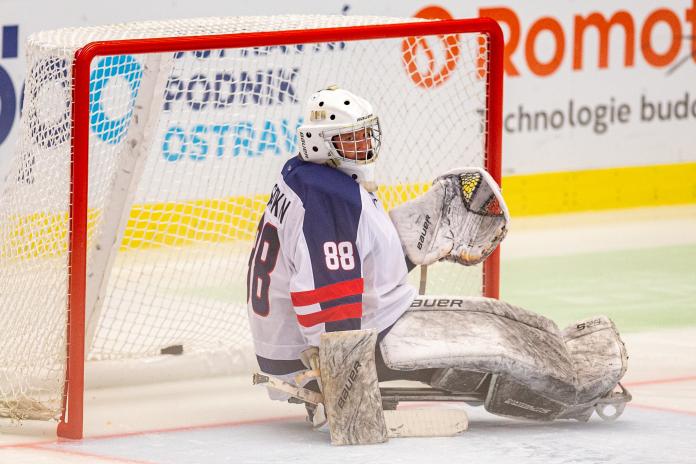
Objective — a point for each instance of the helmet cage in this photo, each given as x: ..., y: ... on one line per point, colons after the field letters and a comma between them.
x: 362, y: 140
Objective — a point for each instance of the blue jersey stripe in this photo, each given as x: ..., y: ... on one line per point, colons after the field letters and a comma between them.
x: 346, y: 324
x: 332, y: 206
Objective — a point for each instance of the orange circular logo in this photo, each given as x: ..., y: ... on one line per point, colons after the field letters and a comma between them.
x: 419, y: 56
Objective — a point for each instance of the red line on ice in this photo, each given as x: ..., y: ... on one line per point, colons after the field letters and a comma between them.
x: 640, y: 383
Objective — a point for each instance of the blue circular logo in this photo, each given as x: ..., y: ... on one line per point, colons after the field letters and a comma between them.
x: 109, y: 130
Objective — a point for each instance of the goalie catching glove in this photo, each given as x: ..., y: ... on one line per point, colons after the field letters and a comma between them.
x: 461, y: 218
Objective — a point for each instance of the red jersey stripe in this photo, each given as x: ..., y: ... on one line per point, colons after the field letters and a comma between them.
x: 337, y: 313
x: 328, y: 292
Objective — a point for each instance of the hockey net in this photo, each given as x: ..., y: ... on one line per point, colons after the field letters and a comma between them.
x: 160, y: 155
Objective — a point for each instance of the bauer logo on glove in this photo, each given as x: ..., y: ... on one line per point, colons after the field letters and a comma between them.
x: 462, y: 218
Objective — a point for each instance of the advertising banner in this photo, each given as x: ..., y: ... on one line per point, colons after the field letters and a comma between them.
x: 591, y: 85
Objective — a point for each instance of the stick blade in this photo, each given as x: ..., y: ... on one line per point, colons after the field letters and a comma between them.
x: 425, y: 422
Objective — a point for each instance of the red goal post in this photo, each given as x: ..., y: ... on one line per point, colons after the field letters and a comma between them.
x: 82, y: 123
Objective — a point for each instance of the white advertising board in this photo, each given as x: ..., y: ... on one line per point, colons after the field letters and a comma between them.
x: 588, y: 85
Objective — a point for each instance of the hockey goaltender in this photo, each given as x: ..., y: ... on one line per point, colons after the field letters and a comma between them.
x: 332, y: 314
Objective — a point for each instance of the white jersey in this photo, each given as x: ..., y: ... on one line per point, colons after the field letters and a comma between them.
x: 326, y: 258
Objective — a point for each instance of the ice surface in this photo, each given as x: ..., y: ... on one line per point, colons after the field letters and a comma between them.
x: 639, y: 436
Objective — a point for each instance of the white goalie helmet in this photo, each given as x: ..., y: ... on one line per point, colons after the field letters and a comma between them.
x: 342, y: 131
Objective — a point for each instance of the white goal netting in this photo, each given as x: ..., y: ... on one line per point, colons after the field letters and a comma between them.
x: 183, y: 150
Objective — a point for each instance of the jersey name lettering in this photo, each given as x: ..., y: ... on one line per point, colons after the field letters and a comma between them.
x: 278, y: 205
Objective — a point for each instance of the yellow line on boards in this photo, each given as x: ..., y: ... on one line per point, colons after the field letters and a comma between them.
x: 600, y: 189
x: 183, y: 223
